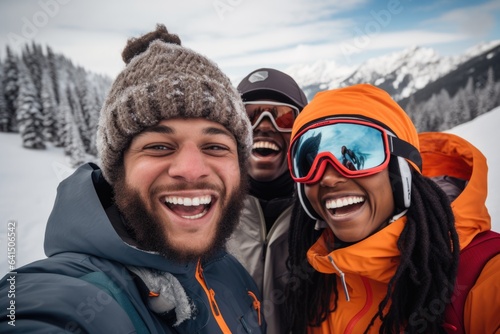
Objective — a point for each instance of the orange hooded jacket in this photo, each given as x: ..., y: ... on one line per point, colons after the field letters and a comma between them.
x: 448, y: 154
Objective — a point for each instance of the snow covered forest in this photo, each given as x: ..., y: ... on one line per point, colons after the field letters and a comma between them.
x: 46, y: 98
x: 442, y: 111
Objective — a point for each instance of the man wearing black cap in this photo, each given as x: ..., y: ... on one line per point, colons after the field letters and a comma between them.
x: 272, y: 100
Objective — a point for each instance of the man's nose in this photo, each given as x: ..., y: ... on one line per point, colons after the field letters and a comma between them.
x: 189, y: 163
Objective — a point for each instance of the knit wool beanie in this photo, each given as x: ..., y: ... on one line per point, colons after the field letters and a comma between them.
x: 364, y: 101
x: 163, y: 80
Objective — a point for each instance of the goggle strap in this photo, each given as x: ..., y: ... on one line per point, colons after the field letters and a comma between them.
x: 305, y: 202
x: 405, y: 150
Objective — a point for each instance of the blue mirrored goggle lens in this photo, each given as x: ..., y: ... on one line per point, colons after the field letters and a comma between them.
x: 357, y: 147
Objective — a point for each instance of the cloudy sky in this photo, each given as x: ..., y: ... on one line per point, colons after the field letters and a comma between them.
x: 242, y: 35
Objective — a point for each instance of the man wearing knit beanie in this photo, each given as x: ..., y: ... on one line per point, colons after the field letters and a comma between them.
x: 272, y: 101
x: 138, y: 244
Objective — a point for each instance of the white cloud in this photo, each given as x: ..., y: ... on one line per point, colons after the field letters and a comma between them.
x: 476, y: 20
x: 239, y: 35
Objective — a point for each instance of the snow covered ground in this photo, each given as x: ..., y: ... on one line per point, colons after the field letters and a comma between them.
x: 29, y: 179
x: 28, y: 184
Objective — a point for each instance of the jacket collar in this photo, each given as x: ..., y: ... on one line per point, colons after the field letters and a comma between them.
x: 375, y: 257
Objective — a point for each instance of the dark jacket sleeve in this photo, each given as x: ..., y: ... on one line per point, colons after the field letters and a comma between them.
x: 52, y: 303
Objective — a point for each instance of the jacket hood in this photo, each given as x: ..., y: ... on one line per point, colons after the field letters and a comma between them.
x: 448, y: 154
x: 79, y: 223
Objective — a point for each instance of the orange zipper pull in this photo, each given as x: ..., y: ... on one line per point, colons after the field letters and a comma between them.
x: 256, y: 305
x: 214, y: 304
x: 153, y: 294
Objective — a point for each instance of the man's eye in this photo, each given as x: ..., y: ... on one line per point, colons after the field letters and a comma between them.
x: 158, y: 148
x: 217, y: 148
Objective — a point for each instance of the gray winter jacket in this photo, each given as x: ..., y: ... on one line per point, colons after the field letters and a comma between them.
x: 94, y: 282
x: 264, y: 256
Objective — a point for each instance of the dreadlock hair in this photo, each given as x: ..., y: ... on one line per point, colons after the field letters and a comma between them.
x: 427, y: 271
x: 308, y: 292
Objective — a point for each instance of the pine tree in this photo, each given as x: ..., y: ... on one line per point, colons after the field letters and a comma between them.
x: 443, y: 109
x: 461, y: 107
x: 450, y: 107
x: 411, y: 109
x: 100, y: 87
x: 73, y: 146
x: 91, y: 105
x: 428, y: 114
x: 49, y: 107
x: 469, y: 95
x: 61, y: 67
x: 85, y: 110
x: 78, y: 115
x: 52, y: 61
x: 34, y: 59
x: 497, y: 94
x: 62, y: 110
x: 29, y: 113
x: 94, y: 111
x: 4, y: 116
x: 11, y: 88
x: 487, y: 96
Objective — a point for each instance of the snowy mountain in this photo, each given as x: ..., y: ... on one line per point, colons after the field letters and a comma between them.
x: 29, y: 181
x: 400, y: 73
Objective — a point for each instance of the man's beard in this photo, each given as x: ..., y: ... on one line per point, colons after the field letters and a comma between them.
x: 147, y: 229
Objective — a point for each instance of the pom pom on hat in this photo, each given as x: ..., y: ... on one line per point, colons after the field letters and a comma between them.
x: 163, y: 80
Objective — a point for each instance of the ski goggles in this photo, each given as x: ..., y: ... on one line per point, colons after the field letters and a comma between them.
x: 282, y: 115
x: 355, y: 148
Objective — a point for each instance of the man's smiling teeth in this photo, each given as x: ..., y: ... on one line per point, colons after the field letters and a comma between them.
x: 265, y: 144
x: 201, y: 214
x: 341, y: 202
x: 188, y: 201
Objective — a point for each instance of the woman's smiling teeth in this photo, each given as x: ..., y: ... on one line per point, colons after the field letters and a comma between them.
x: 189, y: 207
x: 341, y: 202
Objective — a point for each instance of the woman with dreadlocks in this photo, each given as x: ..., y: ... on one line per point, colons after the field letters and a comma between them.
x: 375, y: 249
